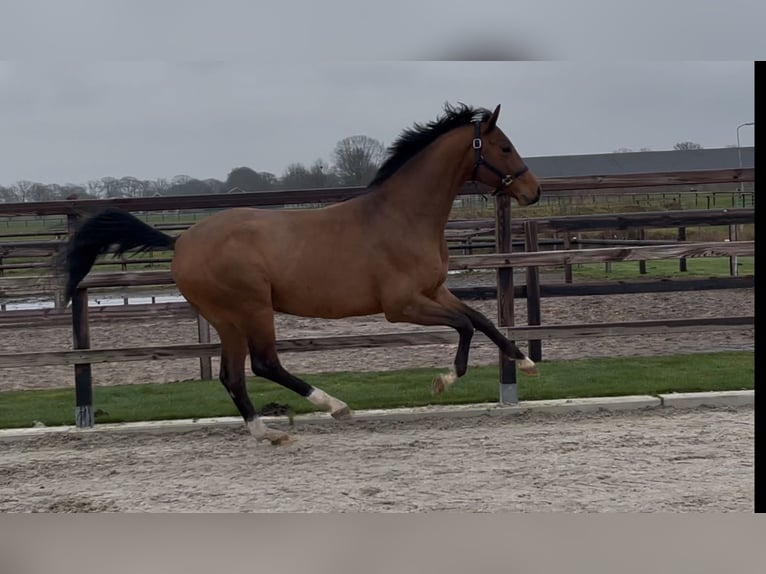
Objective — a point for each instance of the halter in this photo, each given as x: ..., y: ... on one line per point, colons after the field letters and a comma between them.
x: 505, y: 178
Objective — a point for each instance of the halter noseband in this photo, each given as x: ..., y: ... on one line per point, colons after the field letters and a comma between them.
x: 505, y: 178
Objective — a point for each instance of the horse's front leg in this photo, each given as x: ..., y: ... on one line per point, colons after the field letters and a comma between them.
x: 420, y: 310
x: 446, y: 298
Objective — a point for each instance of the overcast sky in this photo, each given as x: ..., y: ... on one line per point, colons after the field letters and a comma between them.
x: 80, y: 121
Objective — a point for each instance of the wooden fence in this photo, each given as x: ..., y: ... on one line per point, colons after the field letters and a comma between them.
x: 503, y: 261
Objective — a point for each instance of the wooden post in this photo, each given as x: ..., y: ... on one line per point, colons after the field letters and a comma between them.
x: 503, y: 244
x: 533, y: 289
x: 682, y: 237
x: 567, y: 266
x: 642, y: 263
x: 83, y: 379
x: 733, y: 271
x: 205, y: 363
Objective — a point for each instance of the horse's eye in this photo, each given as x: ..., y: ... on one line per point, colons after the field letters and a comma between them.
x: 506, y: 149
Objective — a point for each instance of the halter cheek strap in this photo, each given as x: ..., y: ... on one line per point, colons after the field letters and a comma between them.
x: 506, y: 179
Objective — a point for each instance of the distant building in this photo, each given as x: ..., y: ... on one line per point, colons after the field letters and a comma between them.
x: 640, y: 162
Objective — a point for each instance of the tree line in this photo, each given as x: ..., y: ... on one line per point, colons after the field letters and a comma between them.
x: 355, y: 160
x: 680, y: 146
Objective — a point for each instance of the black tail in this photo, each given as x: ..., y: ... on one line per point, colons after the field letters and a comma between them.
x: 95, y: 237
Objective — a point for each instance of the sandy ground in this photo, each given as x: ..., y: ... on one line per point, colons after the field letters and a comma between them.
x: 554, y: 311
x: 661, y: 460
x: 658, y: 460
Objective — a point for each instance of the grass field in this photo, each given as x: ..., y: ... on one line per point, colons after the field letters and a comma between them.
x: 558, y: 379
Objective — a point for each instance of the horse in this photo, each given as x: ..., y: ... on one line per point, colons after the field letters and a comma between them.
x: 383, y: 251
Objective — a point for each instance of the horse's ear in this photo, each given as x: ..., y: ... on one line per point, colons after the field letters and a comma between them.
x: 493, y: 119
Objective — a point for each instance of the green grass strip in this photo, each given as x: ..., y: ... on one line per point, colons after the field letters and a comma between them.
x: 406, y: 388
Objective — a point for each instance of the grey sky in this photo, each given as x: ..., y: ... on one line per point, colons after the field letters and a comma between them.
x: 72, y: 122
x: 303, y: 30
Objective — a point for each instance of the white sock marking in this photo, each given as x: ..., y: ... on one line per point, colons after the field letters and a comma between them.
x: 325, y: 401
x: 257, y: 428
x: 449, y: 378
x: 527, y: 364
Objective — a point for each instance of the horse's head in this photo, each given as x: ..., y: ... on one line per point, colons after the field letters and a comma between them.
x: 496, y: 162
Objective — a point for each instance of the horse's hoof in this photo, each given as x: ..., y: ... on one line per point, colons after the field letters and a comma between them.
x: 442, y: 382
x: 438, y: 385
x: 341, y: 414
x: 528, y: 367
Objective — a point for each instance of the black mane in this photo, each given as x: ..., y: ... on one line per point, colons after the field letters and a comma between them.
x: 415, y: 139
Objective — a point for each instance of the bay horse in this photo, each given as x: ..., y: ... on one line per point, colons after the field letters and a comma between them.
x: 381, y: 252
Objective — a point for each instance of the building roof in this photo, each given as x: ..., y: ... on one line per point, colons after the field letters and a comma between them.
x: 641, y: 162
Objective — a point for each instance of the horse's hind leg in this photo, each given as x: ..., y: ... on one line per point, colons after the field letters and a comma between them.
x: 265, y: 363
x: 233, y: 353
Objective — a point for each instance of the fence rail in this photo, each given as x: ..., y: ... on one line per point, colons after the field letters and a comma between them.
x: 461, y: 231
x: 551, y: 185
x: 332, y: 343
x: 10, y: 286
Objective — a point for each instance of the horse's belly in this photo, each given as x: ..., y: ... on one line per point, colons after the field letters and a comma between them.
x: 312, y: 300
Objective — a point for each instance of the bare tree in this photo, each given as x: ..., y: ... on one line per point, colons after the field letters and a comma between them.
x: 295, y: 176
x: 357, y: 159
x: 686, y: 146
x: 8, y: 195
x: 298, y: 176
x: 157, y: 187
x: 96, y: 188
x: 41, y: 192
x: 247, y: 179
x: 215, y: 185
x: 185, y: 185
x: 324, y: 175
x: 70, y: 189
x: 111, y: 187
x: 132, y: 187
x: 22, y: 189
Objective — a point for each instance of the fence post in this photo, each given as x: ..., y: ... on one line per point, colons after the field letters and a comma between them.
x: 2, y: 305
x: 567, y: 266
x: 503, y: 244
x: 533, y: 289
x: 83, y: 379
x: 682, y: 237
x: 642, y: 263
x: 733, y: 271
x: 205, y: 363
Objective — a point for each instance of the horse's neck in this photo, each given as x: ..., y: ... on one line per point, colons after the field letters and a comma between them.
x: 424, y: 189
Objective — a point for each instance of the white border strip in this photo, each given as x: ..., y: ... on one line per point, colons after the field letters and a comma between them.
x: 635, y: 402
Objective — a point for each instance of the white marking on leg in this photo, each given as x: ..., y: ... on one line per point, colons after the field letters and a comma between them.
x: 326, y: 402
x: 260, y: 431
x: 257, y: 428
x: 442, y: 382
x: 527, y: 364
x: 449, y: 378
